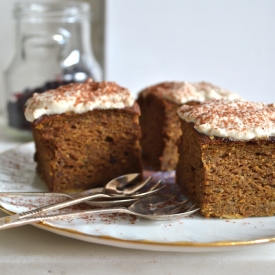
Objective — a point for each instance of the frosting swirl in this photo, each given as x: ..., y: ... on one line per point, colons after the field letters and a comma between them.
x: 78, y: 98
x: 182, y: 92
x: 237, y: 119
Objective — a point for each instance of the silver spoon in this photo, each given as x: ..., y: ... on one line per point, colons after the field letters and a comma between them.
x: 114, y: 199
x: 77, y: 199
x: 148, y: 208
x: 106, y: 202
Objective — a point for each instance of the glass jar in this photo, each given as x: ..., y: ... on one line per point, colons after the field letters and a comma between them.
x: 53, y: 48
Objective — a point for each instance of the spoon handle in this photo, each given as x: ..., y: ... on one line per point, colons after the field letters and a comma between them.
x: 6, y: 222
x: 51, y: 207
x: 9, y: 222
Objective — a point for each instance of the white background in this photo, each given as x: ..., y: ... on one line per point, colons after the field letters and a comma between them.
x: 229, y: 43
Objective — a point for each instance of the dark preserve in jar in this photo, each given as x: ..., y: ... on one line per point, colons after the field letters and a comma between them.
x: 16, y: 117
x: 53, y: 48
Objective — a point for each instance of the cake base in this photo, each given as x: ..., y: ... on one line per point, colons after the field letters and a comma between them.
x: 76, y: 152
x: 226, y: 178
x: 160, y: 127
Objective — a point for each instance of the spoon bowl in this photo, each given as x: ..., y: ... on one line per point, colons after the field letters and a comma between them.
x: 164, y: 207
x: 118, y: 185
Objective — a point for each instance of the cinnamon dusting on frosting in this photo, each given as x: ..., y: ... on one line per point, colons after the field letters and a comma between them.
x: 237, y: 119
x: 182, y: 92
x: 78, y: 98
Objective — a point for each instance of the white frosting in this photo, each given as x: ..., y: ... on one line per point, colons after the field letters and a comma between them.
x: 237, y: 119
x: 182, y: 92
x: 78, y: 98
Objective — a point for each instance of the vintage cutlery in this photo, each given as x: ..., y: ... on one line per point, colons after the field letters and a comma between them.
x: 123, y: 180
x: 152, y: 207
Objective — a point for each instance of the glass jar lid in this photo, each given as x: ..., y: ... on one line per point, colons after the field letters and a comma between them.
x: 66, y: 11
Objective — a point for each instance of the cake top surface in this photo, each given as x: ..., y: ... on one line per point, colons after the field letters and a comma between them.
x: 237, y: 119
x: 182, y: 92
x: 78, y: 98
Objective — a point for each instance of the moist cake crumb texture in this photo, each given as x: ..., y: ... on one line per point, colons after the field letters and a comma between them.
x: 85, y: 135
x: 230, y: 175
x: 159, y: 122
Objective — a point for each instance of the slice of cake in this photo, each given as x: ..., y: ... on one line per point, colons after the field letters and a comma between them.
x: 159, y: 122
x: 227, y: 158
x: 85, y: 135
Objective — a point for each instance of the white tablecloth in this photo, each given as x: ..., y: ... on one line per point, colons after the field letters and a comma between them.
x: 32, y: 251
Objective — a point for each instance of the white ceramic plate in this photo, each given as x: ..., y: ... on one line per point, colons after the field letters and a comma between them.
x: 191, y: 234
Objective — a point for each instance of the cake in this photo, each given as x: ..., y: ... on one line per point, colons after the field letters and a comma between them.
x: 159, y: 122
x: 85, y: 135
x: 227, y: 158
